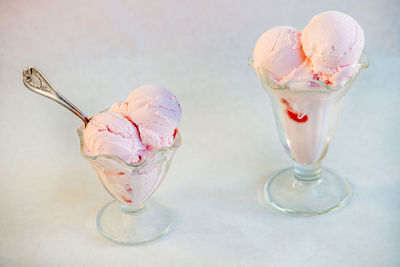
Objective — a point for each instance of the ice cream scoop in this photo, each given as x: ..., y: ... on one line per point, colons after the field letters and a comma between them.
x: 332, y: 39
x: 155, y: 111
x: 333, y: 42
x: 328, y: 50
x: 279, y: 51
x: 111, y: 133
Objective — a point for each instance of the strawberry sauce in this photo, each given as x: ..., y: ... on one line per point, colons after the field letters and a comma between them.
x: 299, y: 118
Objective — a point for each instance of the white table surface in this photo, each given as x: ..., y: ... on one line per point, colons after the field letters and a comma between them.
x: 96, y: 52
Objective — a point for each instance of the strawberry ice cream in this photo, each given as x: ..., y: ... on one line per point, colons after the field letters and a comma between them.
x: 132, y: 184
x: 311, y: 68
x: 111, y: 133
x: 308, y: 120
x: 306, y: 75
x: 333, y: 42
x: 140, y: 132
x: 327, y: 50
x: 155, y: 111
x: 278, y: 51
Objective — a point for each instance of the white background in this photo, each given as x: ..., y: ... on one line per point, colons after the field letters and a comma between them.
x: 96, y: 52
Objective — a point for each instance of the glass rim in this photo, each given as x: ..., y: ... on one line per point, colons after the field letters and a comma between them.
x: 176, y: 144
x: 363, y: 62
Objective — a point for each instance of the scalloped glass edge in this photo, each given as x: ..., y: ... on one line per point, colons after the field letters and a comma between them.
x: 175, y: 145
x: 363, y: 62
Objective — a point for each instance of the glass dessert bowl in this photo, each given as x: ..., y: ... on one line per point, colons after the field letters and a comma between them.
x: 306, y: 114
x: 132, y: 218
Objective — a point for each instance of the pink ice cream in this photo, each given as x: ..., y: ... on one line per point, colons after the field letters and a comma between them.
x: 111, y: 133
x: 131, y: 130
x: 155, y: 111
x: 279, y: 51
x: 328, y: 50
x: 333, y: 41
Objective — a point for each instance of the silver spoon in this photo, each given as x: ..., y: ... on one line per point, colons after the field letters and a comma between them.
x: 35, y: 81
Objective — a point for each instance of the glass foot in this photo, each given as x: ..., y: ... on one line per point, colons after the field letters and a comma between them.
x: 296, y: 197
x: 134, y: 227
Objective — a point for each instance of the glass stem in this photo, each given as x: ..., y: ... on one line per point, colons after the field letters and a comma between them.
x: 132, y: 209
x: 307, y: 173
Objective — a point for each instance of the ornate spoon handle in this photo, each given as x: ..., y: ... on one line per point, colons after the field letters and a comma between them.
x: 35, y: 81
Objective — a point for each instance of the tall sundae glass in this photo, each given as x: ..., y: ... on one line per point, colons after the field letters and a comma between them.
x: 306, y: 113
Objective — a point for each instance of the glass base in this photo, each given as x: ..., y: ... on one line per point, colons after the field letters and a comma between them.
x: 140, y: 226
x: 307, y: 198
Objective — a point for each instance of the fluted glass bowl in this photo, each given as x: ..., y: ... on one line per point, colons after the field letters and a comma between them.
x: 131, y: 218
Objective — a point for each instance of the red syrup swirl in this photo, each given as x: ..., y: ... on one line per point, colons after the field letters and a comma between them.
x: 128, y: 188
x: 113, y: 173
x: 126, y: 199
x: 299, y: 118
